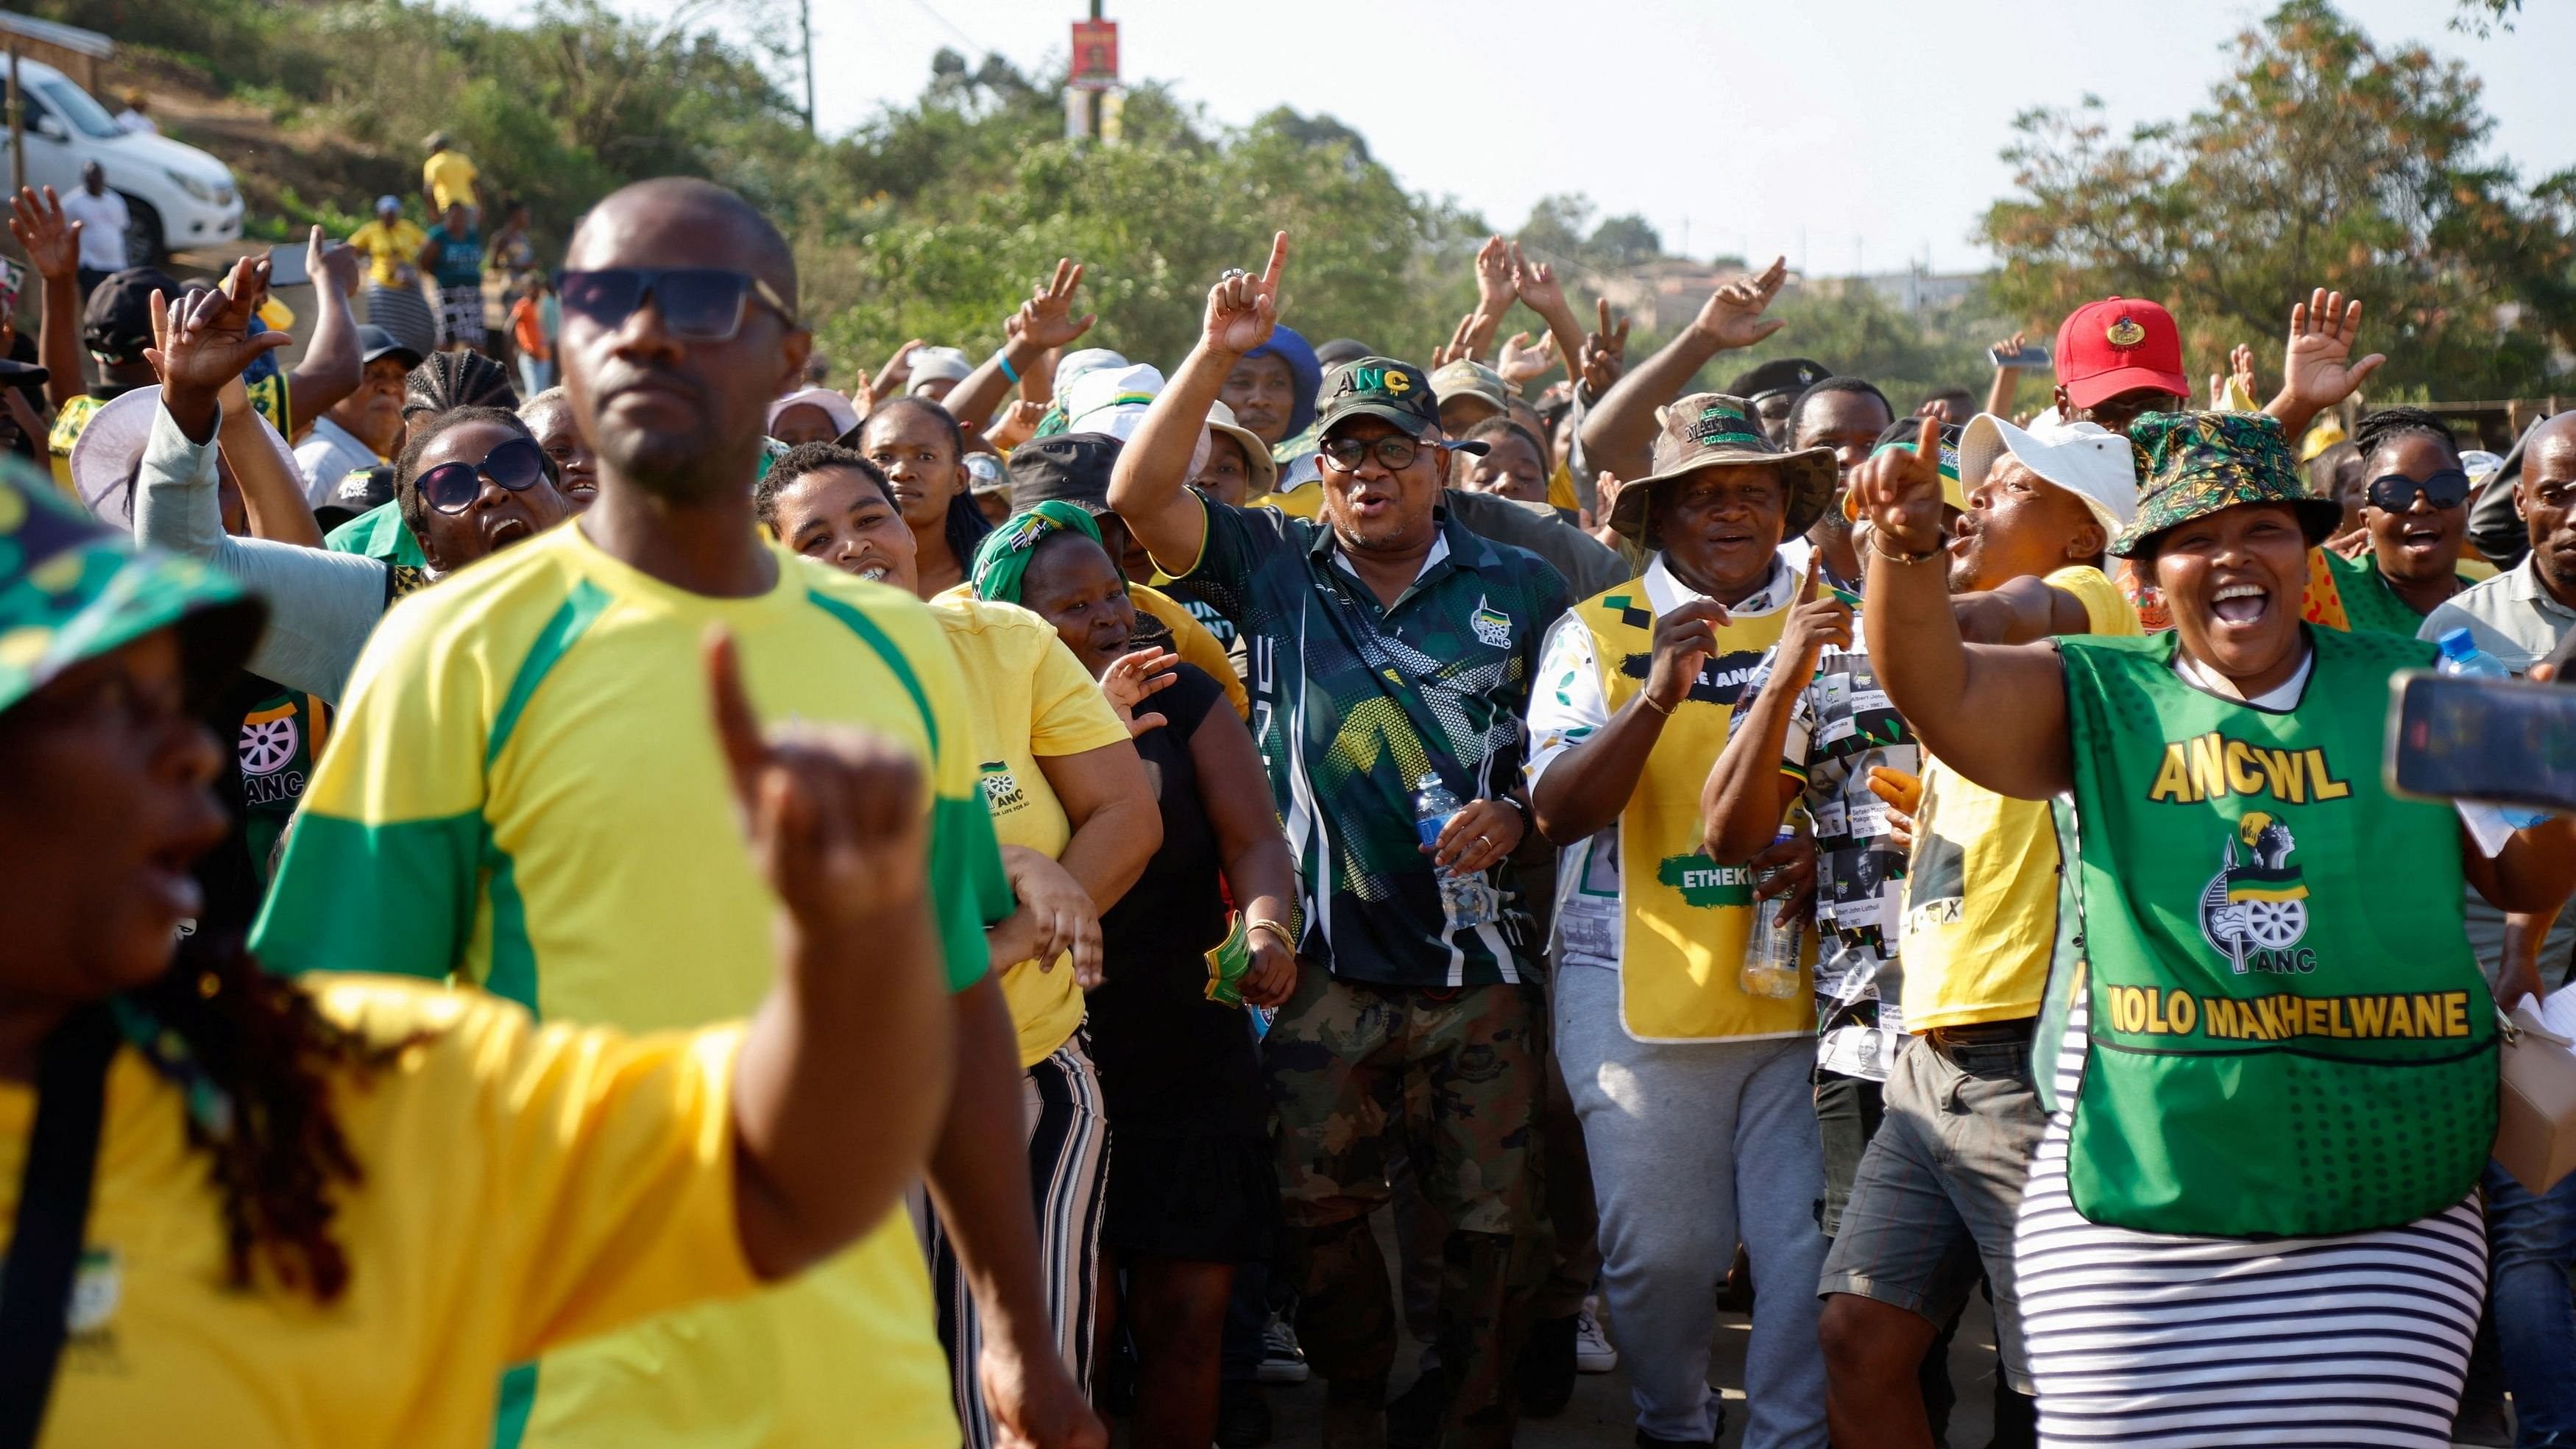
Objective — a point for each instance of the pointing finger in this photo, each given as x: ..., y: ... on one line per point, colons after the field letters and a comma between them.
x: 737, y: 728
x: 1278, y: 263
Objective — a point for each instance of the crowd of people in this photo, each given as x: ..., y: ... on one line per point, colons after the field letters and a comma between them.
x: 669, y: 902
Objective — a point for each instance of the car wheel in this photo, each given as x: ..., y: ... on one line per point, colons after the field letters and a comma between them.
x: 145, y: 244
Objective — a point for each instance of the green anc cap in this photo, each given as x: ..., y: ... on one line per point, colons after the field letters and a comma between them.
x: 2191, y: 465
x: 1381, y: 387
x: 72, y: 589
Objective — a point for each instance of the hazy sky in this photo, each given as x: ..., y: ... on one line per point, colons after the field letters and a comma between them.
x: 1834, y: 131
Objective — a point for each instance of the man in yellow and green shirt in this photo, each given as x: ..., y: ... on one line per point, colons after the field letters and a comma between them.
x: 522, y: 763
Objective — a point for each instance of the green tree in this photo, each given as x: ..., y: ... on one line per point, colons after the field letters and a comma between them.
x: 2323, y: 160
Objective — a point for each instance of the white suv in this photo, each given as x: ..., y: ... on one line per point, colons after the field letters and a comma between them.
x: 178, y: 196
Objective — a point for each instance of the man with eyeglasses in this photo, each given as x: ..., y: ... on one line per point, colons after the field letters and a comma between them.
x: 1390, y: 649
x: 522, y: 779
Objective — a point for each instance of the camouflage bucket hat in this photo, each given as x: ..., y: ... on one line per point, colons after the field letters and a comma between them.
x: 2191, y: 465
x: 1715, y: 430
x: 71, y: 589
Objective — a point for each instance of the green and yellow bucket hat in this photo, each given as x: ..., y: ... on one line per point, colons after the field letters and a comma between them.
x: 2191, y: 465
x: 72, y: 589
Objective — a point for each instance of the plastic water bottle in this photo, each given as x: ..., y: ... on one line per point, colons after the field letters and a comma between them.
x: 2461, y: 655
x: 1465, y: 898
x: 1771, y: 949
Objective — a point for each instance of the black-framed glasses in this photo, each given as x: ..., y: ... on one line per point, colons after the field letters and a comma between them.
x: 2396, y: 492
x: 1395, y: 452
x: 702, y: 304
x: 452, y: 487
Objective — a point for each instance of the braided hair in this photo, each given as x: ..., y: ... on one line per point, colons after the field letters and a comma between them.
x: 447, y: 380
x: 2385, y: 426
x: 257, y: 1061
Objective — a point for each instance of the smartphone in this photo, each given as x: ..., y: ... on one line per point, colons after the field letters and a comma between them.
x: 2031, y: 358
x: 2502, y: 741
x: 286, y: 265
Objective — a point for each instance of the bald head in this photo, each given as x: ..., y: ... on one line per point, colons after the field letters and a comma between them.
x: 2558, y: 429
x: 681, y: 221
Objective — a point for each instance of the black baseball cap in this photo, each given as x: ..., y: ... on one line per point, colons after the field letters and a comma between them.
x: 1781, y: 374
x: 1381, y: 387
x: 375, y: 342
x: 118, y: 322
x: 1071, y: 466
x: 361, y: 490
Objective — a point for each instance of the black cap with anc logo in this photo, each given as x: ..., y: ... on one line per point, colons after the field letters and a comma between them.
x: 1381, y: 387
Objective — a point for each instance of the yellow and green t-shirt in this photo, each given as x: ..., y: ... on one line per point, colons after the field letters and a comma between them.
x: 68, y: 426
x: 524, y: 789
x: 1981, y: 889
x: 1031, y: 699
x: 393, y: 252
x: 524, y: 1186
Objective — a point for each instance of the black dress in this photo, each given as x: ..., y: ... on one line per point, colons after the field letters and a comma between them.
x: 1190, y: 1172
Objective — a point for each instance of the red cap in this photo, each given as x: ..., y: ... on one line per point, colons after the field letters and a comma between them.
x: 2109, y: 347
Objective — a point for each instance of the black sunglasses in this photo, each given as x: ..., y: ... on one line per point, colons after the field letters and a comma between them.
x: 2396, y: 492
x: 702, y: 304
x: 452, y: 487
x: 1395, y: 451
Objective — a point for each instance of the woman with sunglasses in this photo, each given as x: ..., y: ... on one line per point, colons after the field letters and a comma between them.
x: 471, y: 482
x: 242, y: 1209
x: 2274, y: 1081
x: 2414, y: 518
x: 1077, y: 821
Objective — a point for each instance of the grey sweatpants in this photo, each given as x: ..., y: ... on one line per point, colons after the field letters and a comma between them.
x: 1694, y: 1147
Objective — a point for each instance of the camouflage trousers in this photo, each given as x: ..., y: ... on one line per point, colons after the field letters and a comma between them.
x: 1454, y: 1076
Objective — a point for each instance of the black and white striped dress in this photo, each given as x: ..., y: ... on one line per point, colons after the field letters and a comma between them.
x: 2151, y: 1339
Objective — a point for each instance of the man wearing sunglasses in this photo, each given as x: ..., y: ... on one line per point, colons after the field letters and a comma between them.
x: 2414, y: 517
x: 1387, y: 643
x: 559, y: 792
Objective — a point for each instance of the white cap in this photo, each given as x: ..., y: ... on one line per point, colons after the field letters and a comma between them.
x: 2085, y: 459
x: 1087, y: 359
x: 938, y: 364
x: 110, y: 449
x: 2480, y: 465
x: 843, y: 413
x: 1111, y: 400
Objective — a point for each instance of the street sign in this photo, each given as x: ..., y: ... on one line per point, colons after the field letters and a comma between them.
x: 1095, y: 55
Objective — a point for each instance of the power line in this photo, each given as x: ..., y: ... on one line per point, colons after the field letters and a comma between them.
x: 951, y: 27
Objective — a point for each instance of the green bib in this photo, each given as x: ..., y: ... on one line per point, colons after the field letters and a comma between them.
x: 2289, y: 1034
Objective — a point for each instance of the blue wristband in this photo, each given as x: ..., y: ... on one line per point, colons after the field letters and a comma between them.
x: 1003, y: 360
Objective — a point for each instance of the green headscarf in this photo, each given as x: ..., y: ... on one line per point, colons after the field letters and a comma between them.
x: 1002, y: 561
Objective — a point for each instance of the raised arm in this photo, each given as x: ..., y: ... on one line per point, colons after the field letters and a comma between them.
x: 53, y: 249
x: 331, y: 367
x: 1618, y: 434
x: 2317, y: 370
x: 1999, y: 395
x: 1540, y: 292
x: 1043, y: 323
x: 1148, y: 485
x: 1747, y: 792
x: 1589, y: 784
x: 1994, y: 713
x: 2019, y: 611
x: 843, y: 1079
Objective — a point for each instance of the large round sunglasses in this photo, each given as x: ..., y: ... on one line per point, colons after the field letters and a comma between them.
x: 452, y: 487
x: 2396, y: 493
x: 702, y: 304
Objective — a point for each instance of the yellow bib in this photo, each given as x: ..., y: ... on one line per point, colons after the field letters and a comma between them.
x: 1685, y: 916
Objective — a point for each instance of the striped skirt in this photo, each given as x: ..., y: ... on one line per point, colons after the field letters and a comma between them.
x: 2169, y: 1341
x: 1068, y: 1136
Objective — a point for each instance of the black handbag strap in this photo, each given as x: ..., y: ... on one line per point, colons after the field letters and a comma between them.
x: 53, y: 1208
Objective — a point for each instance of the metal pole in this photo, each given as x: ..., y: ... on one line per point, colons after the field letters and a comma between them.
x: 17, y: 121
x: 1093, y: 124
x: 805, y: 23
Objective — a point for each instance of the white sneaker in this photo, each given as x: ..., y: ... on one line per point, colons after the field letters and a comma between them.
x: 1282, y: 1361
x: 1592, y: 1351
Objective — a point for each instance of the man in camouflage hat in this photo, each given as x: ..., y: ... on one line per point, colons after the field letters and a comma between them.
x: 1391, y: 652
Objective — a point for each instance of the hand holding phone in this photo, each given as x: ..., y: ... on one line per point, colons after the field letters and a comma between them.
x: 286, y: 266
x: 2031, y: 357
x: 2505, y: 742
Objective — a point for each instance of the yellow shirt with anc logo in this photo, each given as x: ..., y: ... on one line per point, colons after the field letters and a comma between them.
x: 524, y: 1187
x: 1030, y: 698
x: 68, y: 424
x: 1981, y: 887
x: 524, y: 788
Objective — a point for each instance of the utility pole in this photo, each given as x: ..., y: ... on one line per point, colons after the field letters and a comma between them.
x: 17, y: 121
x: 805, y: 25
x: 1093, y: 100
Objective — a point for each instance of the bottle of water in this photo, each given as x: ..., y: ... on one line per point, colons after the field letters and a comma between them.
x: 2461, y: 655
x: 1771, y: 949
x: 1465, y: 897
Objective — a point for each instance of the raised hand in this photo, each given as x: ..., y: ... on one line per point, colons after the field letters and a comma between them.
x: 2317, y: 370
x: 1046, y: 319
x: 1814, y: 622
x: 1605, y: 352
x: 1522, y: 363
x: 1684, y: 638
x: 1732, y: 316
x: 205, y: 342
x: 1494, y: 289
x: 835, y: 817
x: 1019, y: 424
x: 1536, y: 283
x: 1130, y: 678
x: 863, y: 394
x: 52, y: 244
x: 1461, y: 346
x: 1242, y: 308
x: 2241, y: 367
x: 896, y: 372
x: 1899, y: 492
x: 332, y: 265
x: 2009, y: 347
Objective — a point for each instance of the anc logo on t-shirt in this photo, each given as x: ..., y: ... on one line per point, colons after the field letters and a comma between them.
x: 1002, y: 793
x: 268, y: 740
x: 1492, y: 626
x: 2255, y: 910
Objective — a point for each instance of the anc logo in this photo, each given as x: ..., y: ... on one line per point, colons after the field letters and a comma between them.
x: 1002, y: 793
x: 268, y: 740
x: 1391, y: 380
x: 2125, y: 333
x: 1492, y: 626
x: 2255, y: 912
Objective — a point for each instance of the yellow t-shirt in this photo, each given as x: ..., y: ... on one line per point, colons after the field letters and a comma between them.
x: 524, y: 788
x: 1306, y: 500
x: 1032, y: 698
x: 1192, y: 641
x: 1981, y: 888
x: 524, y: 1187
x: 449, y: 175
x: 393, y: 252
